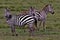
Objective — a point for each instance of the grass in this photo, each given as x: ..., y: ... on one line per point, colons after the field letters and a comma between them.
x: 52, y: 23
x: 44, y: 37
x: 5, y: 34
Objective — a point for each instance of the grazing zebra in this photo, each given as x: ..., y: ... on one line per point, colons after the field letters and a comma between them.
x: 42, y: 15
x: 19, y: 20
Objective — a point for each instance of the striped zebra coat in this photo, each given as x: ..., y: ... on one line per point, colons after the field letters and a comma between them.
x: 19, y: 20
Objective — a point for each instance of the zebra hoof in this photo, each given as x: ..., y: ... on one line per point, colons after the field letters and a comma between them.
x: 16, y: 34
x: 13, y: 35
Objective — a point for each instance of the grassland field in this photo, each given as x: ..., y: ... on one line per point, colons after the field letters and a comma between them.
x: 52, y: 23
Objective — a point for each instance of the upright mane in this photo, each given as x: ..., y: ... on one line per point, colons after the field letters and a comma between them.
x: 45, y: 7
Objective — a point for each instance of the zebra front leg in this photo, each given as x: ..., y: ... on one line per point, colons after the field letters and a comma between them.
x: 44, y: 25
x: 39, y: 24
x: 13, y: 30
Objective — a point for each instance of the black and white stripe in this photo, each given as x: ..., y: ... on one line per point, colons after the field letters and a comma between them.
x: 26, y: 19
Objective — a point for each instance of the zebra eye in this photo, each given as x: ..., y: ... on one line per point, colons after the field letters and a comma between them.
x: 10, y: 16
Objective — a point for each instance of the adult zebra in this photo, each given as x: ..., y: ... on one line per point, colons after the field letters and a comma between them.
x: 19, y: 20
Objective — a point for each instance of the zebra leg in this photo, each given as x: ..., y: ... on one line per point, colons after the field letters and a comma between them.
x: 13, y: 30
x: 39, y: 24
x: 31, y: 29
x: 44, y: 25
x: 36, y: 21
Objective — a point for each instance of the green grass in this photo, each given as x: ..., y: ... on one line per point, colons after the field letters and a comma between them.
x: 43, y: 37
x: 52, y: 23
x: 5, y: 34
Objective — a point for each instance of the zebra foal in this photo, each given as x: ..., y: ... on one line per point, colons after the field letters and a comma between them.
x: 19, y: 20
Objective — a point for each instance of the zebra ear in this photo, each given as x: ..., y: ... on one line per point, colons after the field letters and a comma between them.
x: 32, y: 8
x: 7, y: 9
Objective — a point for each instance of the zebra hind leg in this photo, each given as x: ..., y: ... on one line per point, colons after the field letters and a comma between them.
x: 31, y: 29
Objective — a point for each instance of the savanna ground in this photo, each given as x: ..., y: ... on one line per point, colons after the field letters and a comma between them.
x: 52, y: 23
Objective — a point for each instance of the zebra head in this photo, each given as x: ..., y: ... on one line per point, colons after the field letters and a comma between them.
x: 48, y: 8
x: 32, y: 11
x: 7, y: 14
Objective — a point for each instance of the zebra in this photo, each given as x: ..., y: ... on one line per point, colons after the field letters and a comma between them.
x: 42, y: 15
x: 35, y: 13
x: 19, y: 20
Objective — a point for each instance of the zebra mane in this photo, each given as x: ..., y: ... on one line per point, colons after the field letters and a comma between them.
x: 45, y: 7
